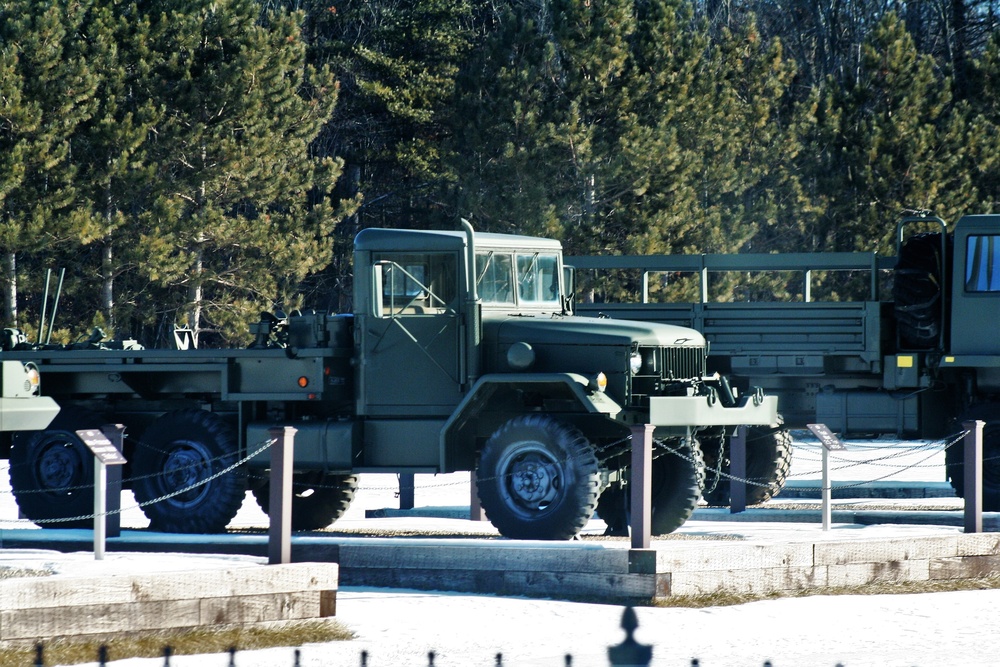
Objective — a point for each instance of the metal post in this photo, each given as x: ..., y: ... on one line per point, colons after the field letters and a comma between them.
x: 406, y: 491
x: 115, y: 433
x: 475, y: 507
x: 738, y: 471
x: 826, y: 492
x: 279, y: 544
x: 973, y: 443
x: 100, y: 506
x: 641, y: 481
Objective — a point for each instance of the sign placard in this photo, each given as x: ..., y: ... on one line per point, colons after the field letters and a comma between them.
x: 826, y: 437
x: 101, y: 447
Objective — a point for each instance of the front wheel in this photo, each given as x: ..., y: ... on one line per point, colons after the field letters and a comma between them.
x: 538, y: 479
x: 181, y: 476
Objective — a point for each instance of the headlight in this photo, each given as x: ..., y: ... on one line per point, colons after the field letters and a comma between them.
x: 635, y: 363
x: 32, y: 379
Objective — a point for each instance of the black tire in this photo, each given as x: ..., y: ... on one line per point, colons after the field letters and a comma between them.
x: 317, y: 499
x: 538, y: 479
x: 52, y: 471
x: 678, y: 477
x: 177, y: 451
x: 769, y: 458
x: 954, y: 458
x: 918, y: 290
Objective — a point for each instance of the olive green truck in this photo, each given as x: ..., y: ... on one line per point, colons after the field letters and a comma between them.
x: 916, y: 355
x: 462, y: 354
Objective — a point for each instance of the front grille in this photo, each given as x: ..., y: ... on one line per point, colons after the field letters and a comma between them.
x: 682, y: 363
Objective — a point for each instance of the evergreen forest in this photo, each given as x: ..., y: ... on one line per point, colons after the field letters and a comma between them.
x: 195, y: 162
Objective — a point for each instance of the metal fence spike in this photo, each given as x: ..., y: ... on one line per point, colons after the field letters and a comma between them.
x: 102, y: 655
x: 39, y: 660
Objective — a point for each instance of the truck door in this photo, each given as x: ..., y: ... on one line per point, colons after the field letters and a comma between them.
x: 413, y: 344
x: 976, y: 288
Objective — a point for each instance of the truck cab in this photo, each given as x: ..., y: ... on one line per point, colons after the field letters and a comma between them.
x: 975, y: 286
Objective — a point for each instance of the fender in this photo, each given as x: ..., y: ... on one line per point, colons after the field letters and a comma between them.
x: 568, y: 385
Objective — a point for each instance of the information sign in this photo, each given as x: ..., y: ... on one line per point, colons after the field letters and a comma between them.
x: 101, y: 447
x: 826, y: 437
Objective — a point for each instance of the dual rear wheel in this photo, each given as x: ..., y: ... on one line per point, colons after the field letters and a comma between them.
x: 184, y: 472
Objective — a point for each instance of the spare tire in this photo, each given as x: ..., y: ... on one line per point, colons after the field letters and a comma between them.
x: 920, y: 289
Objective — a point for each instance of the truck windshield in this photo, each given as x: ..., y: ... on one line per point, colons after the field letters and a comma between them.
x: 538, y: 278
x: 982, y: 264
x: 530, y: 278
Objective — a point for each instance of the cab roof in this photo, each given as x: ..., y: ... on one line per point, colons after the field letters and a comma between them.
x: 412, y: 240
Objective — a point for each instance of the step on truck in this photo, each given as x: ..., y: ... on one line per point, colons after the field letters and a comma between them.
x: 916, y: 358
x: 462, y: 354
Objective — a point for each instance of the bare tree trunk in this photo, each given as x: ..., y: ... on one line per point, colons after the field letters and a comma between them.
x: 10, y: 294
x: 108, y: 284
x: 196, y: 292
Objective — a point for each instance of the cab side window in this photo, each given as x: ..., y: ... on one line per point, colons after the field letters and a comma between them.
x: 982, y: 263
x: 418, y: 283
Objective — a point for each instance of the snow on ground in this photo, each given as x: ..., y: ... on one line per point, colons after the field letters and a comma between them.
x: 398, y: 627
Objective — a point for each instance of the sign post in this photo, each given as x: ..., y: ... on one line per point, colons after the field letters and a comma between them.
x: 105, y: 454
x: 831, y: 443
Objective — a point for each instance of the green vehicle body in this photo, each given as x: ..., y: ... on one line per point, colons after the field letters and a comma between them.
x: 462, y: 352
x: 915, y: 362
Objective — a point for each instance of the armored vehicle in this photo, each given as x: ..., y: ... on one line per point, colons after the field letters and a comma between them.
x: 462, y: 354
x: 915, y: 362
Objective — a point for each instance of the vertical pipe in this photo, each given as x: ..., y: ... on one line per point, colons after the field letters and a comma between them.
x: 45, y: 305
x: 55, y: 306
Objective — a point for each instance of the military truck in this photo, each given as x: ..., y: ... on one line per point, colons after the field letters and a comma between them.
x: 461, y: 355
x: 914, y: 362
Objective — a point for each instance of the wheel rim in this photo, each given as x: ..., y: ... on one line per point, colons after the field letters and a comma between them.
x: 530, y: 478
x: 58, y: 466
x: 187, y: 464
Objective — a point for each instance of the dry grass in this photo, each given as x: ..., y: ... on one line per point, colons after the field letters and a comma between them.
x: 879, y: 588
x: 72, y: 651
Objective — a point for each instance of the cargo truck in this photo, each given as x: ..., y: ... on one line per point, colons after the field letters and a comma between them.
x: 462, y: 354
x: 916, y: 359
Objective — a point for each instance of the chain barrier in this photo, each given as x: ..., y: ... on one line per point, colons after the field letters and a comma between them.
x: 167, y: 496
x: 879, y: 461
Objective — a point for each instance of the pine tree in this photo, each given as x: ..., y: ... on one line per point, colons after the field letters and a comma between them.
x: 114, y: 176
x: 49, y: 90
x: 892, y: 141
x: 397, y: 63
x: 240, y: 213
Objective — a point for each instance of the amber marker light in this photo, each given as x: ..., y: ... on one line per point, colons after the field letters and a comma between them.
x: 303, y: 382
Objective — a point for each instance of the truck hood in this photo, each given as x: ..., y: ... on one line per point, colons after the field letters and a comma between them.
x: 571, y: 330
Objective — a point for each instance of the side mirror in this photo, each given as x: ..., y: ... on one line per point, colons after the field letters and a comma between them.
x: 378, y: 270
x: 569, y: 288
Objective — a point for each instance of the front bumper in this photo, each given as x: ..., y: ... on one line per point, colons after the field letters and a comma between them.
x: 698, y: 411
